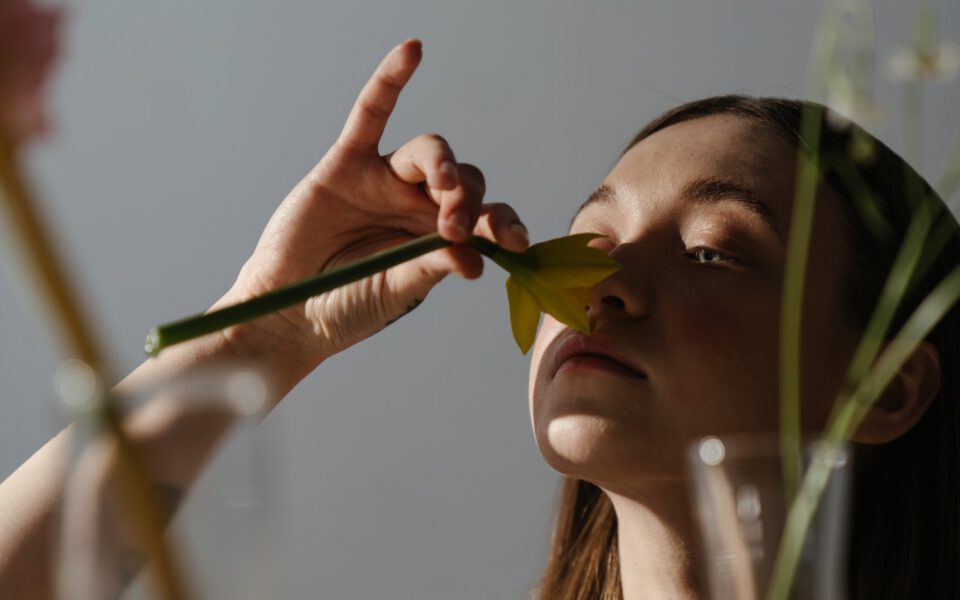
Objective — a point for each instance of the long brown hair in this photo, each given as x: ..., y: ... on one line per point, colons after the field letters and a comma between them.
x: 905, y: 518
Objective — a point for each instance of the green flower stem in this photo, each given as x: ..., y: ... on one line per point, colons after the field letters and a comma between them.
x: 866, y: 202
x: 175, y: 332
x: 926, y: 316
x: 848, y: 418
x: 913, y: 123
x: 950, y: 179
x: 924, y: 42
x: 866, y: 379
x: 903, y: 271
x: 819, y: 69
x: 802, y: 509
x: 920, y: 246
x: 821, y: 65
x: 505, y: 258
x: 801, y: 224
x: 488, y: 248
x: 864, y: 46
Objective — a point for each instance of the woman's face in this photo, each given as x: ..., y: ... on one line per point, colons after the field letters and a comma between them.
x: 684, y: 338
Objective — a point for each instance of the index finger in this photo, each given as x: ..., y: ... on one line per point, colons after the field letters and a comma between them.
x: 370, y: 112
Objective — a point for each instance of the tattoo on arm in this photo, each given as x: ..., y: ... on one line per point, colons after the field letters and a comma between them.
x: 417, y: 302
x: 167, y: 498
x: 130, y: 560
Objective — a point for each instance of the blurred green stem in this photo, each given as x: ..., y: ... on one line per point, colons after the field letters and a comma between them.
x: 848, y: 418
x: 822, y: 64
x: 866, y: 378
x: 950, y: 179
x: 792, y: 301
x: 64, y: 307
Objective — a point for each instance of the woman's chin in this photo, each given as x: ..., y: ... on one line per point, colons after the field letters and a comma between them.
x: 610, y: 452
x: 584, y: 446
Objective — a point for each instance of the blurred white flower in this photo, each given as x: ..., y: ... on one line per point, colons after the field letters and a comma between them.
x: 941, y: 63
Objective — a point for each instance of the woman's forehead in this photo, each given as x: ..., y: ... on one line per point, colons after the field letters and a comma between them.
x: 707, y: 158
x: 717, y: 146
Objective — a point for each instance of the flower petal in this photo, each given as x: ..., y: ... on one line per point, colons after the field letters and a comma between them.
x: 569, y: 262
x: 941, y: 64
x: 554, y: 277
x: 567, y: 306
x: 524, y: 314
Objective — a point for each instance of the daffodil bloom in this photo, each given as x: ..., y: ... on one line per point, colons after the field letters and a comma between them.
x: 553, y: 277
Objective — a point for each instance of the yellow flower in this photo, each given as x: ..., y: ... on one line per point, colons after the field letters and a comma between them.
x: 554, y: 277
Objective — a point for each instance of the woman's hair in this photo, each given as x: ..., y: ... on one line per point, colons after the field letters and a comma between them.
x: 905, y: 516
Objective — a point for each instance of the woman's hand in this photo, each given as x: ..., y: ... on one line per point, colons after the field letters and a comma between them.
x: 355, y: 202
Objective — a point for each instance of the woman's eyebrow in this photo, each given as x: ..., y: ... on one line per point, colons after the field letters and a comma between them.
x: 709, y: 189
x: 602, y: 195
x: 713, y: 189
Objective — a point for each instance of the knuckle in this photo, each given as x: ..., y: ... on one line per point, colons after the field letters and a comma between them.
x: 435, y: 138
x: 473, y: 176
x: 389, y: 80
x: 502, y: 211
x: 374, y: 110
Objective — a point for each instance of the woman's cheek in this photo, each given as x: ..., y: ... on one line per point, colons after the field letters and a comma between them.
x: 723, y: 358
x: 703, y: 339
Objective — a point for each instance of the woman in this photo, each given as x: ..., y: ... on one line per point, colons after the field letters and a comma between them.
x: 712, y: 180
x: 683, y: 338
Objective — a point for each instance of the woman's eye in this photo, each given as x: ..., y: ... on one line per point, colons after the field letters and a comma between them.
x: 708, y: 256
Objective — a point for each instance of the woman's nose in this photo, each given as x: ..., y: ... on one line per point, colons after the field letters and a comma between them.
x: 613, y: 302
x: 609, y: 302
x: 624, y: 294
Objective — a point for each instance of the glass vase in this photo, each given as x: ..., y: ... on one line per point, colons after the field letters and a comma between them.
x: 740, y: 505
x: 219, y: 529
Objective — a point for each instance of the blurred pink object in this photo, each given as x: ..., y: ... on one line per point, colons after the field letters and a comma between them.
x: 29, y: 44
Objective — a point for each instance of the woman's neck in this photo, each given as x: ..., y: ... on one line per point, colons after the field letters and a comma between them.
x: 654, y: 537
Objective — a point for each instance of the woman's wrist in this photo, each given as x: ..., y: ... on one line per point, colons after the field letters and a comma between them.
x: 275, y: 346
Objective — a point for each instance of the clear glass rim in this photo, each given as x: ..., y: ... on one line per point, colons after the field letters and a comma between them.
x: 713, y: 450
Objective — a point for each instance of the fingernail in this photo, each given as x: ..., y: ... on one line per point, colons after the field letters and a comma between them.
x: 520, y: 230
x: 459, y: 221
x: 449, y: 174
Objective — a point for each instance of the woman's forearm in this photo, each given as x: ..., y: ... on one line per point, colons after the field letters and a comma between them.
x: 174, y: 432
x: 28, y: 502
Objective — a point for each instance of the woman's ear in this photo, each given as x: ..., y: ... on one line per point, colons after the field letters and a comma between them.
x: 906, y: 399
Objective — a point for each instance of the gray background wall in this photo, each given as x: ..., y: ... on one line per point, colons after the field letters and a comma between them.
x: 404, y: 468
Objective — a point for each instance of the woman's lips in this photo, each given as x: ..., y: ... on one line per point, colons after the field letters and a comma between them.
x: 594, y: 353
x: 595, y: 362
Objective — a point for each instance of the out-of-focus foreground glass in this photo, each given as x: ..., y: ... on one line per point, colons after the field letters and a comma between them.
x: 222, y: 532
x: 739, y: 503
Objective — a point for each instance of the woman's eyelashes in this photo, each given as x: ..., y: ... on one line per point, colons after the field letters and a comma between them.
x: 704, y: 255
x: 709, y: 246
